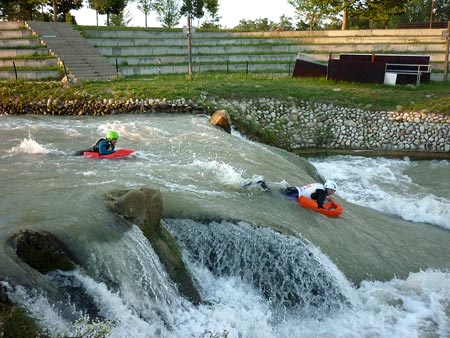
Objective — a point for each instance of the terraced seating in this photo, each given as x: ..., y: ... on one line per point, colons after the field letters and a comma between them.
x: 147, y: 51
x: 23, y: 57
x: 139, y: 51
x: 98, y: 53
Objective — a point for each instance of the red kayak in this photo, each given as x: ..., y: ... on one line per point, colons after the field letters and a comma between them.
x: 117, y: 154
x: 330, y: 208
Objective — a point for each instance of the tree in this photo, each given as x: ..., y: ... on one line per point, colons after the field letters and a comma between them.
x: 108, y: 7
x: 195, y: 9
x: 63, y: 8
x: 285, y: 24
x: 9, y: 10
x: 212, y: 16
x: 441, y: 10
x: 258, y: 25
x: 55, y: 10
x: 22, y: 10
x: 168, y: 12
x: 314, y: 12
x: 416, y: 11
x: 145, y: 6
x: 380, y: 11
x: 120, y: 20
x: 265, y: 25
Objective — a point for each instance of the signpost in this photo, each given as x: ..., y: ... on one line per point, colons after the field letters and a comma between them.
x: 189, y: 33
x: 445, y: 35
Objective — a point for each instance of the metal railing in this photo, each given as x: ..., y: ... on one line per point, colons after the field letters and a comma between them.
x: 408, y: 69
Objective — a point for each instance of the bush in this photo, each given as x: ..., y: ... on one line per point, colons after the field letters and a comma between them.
x: 15, y: 322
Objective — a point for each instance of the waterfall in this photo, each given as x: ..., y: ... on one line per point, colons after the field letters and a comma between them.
x: 290, y: 272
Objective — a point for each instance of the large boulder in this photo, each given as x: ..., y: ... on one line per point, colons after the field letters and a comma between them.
x: 42, y: 251
x: 144, y: 208
x: 221, y: 119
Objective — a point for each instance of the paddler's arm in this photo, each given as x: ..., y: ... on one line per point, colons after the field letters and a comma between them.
x: 321, y: 196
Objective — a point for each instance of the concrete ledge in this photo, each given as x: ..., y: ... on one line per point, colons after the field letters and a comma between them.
x: 283, y: 69
x: 175, y: 42
x: 413, y: 155
x: 349, y: 33
x: 167, y: 59
x: 30, y: 74
x: 5, y: 53
x: 47, y: 62
x: 5, y: 25
x: 15, y: 34
x: 14, y: 43
x: 181, y: 50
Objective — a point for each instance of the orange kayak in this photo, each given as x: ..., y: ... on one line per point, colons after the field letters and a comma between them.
x: 330, y: 208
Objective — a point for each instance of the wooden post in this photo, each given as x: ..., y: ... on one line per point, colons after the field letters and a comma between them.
x: 15, y: 69
x: 446, y: 53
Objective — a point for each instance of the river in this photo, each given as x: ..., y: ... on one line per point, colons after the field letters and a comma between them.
x: 264, y: 266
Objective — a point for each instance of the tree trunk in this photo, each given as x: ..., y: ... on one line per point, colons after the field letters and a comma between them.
x: 345, y: 18
x: 55, y: 14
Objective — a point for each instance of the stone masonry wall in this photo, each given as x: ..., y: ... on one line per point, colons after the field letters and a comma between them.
x: 321, y: 125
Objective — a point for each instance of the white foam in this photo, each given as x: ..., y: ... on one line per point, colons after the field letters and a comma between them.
x: 382, y: 184
x: 113, y: 307
x: 402, y: 308
x: 29, y: 146
x: 39, y: 307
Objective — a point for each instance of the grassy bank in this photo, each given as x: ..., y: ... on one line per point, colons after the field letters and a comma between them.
x: 431, y: 97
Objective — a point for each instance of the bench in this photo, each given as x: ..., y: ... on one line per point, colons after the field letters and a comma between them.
x: 392, y: 70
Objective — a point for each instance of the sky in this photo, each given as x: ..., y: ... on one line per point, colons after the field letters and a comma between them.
x: 230, y: 11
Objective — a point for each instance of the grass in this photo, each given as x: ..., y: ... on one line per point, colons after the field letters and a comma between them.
x: 430, y: 97
x: 15, y: 322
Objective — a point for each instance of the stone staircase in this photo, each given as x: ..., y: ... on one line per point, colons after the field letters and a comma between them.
x: 23, y: 57
x: 79, y: 58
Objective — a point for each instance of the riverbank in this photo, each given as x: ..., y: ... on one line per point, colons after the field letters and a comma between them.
x: 293, y: 114
x: 306, y: 129
x: 317, y: 125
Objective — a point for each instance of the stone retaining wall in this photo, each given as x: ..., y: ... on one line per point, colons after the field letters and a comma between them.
x: 321, y: 125
x: 300, y: 125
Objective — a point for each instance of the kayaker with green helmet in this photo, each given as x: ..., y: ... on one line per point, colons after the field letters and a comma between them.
x: 103, y: 146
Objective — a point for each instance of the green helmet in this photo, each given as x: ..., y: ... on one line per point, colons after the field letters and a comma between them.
x: 111, y: 135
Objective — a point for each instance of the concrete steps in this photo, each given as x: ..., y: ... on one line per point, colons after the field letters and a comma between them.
x: 93, y: 53
x: 146, y: 52
x: 22, y: 57
x: 80, y: 59
x: 153, y: 51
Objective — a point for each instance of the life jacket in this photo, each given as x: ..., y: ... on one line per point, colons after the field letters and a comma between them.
x: 309, y: 190
x: 95, y: 147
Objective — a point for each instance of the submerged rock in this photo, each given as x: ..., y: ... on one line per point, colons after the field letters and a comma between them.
x: 42, y: 251
x: 47, y: 254
x: 144, y: 207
